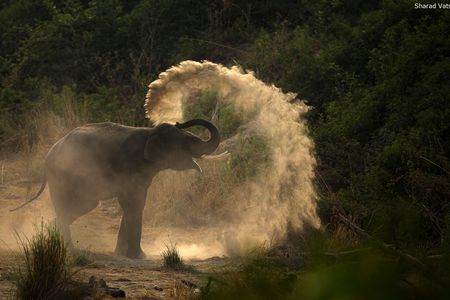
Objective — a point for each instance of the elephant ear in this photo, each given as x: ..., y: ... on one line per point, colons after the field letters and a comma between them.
x: 153, y: 150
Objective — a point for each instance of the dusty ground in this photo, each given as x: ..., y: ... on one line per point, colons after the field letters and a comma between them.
x: 95, y: 234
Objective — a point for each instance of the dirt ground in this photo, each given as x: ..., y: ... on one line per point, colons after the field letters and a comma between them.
x: 95, y: 235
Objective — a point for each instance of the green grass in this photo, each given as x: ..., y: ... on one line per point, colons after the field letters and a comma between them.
x: 172, y: 258
x: 46, y: 268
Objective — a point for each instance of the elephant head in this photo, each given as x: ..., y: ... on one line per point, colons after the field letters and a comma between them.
x: 172, y: 147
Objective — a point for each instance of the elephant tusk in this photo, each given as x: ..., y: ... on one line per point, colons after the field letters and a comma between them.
x: 220, y: 156
x: 197, y: 167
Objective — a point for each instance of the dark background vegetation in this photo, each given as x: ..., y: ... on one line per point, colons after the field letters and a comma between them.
x: 375, y: 72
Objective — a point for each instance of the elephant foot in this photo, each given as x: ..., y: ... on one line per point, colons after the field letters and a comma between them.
x: 136, y: 254
x: 121, y: 250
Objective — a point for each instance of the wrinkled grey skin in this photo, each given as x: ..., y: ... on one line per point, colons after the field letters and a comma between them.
x: 105, y: 160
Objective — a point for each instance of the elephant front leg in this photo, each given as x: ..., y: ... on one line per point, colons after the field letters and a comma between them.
x: 122, y: 245
x: 131, y: 226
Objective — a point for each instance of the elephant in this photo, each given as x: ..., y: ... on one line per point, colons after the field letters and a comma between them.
x: 108, y: 160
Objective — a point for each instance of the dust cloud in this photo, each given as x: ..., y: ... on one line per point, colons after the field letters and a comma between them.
x: 20, y: 226
x: 281, y: 195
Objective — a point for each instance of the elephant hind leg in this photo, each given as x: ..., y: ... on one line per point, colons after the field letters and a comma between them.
x: 68, y: 207
x: 65, y: 217
x: 63, y: 221
x: 59, y: 199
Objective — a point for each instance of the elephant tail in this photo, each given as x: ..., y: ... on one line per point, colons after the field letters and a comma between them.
x: 44, y: 183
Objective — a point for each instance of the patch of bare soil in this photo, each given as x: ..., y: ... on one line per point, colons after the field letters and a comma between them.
x: 95, y: 234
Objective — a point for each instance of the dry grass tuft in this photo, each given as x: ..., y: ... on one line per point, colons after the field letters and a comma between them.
x: 172, y: 258
x: 46, y: 268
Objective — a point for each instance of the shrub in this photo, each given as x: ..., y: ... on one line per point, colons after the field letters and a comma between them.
x: 46, y: 267
x: 323, y: 272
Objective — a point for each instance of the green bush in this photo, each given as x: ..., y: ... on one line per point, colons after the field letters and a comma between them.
x: 319, y: 271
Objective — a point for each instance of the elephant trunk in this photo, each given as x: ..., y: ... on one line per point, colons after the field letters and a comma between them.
x: 201, y: 147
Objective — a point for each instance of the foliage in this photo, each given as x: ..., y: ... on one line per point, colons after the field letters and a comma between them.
x: 46, y: 268
x: 373, y: 71
x: 315, y: 269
